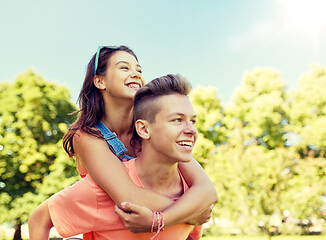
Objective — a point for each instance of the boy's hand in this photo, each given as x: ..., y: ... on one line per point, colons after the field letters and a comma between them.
x: 136, y: 218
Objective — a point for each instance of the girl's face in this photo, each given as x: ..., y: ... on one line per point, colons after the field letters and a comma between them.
x: 123, y: 76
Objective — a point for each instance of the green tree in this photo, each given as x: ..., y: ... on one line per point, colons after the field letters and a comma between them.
x: 249, y: 181
x: 307, y: 111
x: 260, y: 172
x: 307, y: 116
x: 256, y: 185
x: 210, y: 122
x: 33, y: 118
x: 259, y: 104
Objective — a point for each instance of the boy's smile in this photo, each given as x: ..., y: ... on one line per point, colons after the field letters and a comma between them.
x: 173, y: 133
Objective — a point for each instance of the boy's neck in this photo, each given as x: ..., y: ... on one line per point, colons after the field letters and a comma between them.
x: 159, y: 176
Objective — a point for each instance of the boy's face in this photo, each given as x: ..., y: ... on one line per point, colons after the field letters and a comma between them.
x: 173, y: 133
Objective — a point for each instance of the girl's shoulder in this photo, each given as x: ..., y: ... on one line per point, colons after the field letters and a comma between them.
x: 82, y: 136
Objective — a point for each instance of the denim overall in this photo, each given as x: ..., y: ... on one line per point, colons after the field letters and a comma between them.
x: 114, y: 143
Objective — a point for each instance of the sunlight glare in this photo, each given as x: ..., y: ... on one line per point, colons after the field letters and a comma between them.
x: 305, y: 15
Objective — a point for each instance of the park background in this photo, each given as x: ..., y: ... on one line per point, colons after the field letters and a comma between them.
x: 259, y: 78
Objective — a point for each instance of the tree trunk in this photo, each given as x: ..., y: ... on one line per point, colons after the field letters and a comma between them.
x: 18, y: 230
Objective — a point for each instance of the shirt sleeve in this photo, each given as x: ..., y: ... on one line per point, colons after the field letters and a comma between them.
x: 73, y: 209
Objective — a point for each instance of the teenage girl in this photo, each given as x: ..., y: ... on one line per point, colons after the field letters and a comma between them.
x: 113, y: 76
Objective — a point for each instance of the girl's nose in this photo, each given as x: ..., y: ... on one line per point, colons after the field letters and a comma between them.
x: 136, y: 74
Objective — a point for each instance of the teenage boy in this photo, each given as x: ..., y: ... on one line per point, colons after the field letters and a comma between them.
x: 164, y: 130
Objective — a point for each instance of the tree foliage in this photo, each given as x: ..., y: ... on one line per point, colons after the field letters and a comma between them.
x: 307, y: 111
x: 209, y: 122
x: 273, y: 159
x: 33, y: 118
x: 259, y: 104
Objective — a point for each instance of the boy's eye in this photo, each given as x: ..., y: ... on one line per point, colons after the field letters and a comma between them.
x: 193, y: 121
x: 177, y: 120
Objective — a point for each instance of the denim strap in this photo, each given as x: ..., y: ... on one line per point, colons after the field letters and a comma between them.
x: 114, y: 143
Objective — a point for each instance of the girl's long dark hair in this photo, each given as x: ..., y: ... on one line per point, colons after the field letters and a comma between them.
x: 90, y: 99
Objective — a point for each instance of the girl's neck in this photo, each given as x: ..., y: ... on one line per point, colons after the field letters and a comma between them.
x: 118, y: 117
x: 119, y: 120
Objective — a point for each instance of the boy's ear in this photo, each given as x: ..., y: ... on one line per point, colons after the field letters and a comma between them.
x: 99, y: 82
x: 142, y: 128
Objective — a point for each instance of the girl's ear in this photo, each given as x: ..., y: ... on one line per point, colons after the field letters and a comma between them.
x: 99, y: 82
x: 142, y: 128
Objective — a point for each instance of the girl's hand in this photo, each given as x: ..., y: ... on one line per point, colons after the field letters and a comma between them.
x: 136, y: 218
x: 202, y: 218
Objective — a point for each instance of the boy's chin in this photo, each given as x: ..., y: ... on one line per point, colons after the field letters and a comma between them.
x: 185, y: 160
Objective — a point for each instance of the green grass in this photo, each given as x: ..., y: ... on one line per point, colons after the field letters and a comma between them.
x: 322, y: 237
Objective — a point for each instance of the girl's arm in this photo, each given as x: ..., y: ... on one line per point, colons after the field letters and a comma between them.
x: 200, y: 196
x: 108, y: 172
x: 132, y: 215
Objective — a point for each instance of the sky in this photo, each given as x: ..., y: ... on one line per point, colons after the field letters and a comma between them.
x: 211, y: 42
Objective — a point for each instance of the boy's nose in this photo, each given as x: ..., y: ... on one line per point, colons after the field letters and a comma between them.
x: 190, y: 129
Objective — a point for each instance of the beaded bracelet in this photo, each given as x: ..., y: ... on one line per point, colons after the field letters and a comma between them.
x: 157, y: 217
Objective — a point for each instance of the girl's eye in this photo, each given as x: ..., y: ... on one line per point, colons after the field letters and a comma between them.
x: 124, y: 67
x: 140, y: 71
x: 193, y: 121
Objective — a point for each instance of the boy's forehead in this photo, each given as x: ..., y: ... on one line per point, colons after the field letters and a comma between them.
x: 174, y: 103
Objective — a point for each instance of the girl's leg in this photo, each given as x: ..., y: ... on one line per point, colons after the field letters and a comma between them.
x: 40, y: 223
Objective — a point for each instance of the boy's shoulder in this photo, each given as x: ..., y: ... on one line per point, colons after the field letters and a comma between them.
x: 130, y: 167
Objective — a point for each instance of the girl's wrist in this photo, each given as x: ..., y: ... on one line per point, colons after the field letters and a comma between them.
x: 157, y: 223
